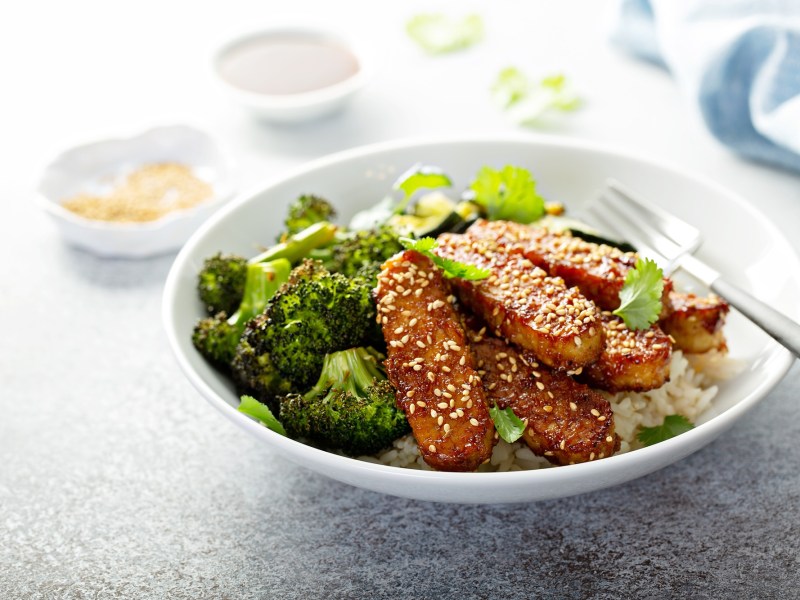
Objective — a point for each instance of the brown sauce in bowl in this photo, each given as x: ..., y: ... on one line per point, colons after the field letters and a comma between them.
x: 285, y: 64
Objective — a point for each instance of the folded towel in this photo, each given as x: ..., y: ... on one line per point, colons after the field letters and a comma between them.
x: 738, y: 61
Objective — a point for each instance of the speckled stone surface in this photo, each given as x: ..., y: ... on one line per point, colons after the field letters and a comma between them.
x: 118, y: 481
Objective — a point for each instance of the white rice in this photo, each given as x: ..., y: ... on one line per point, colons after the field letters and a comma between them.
x: 688, y: 392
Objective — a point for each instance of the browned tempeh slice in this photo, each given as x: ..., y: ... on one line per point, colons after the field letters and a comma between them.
x: 695, y: 323
x: 430, y: 364
x: 567, y: 422
x: 631, y: 360
x: 523, y: 304
x: 598, y: 270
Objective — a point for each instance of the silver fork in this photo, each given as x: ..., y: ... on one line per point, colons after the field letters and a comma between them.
x: 670, y: 242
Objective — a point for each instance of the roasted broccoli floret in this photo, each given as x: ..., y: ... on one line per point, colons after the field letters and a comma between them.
x: 360, y: 252
x: 220, y: 282
x: 306, y: 211
x: 216, y: 337
x: 254, y: 372
x: 351, y: 408
x: 314, y: 313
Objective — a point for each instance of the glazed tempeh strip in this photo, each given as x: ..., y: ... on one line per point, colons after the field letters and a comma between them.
x: 598, y: 270
x: 566, y: 421
x: 521, y: 303
x: 631, y: 360
x: 430, y: 364
x: 695, y: 323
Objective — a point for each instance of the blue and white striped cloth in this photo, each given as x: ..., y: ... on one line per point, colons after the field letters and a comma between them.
x: 738, y: 61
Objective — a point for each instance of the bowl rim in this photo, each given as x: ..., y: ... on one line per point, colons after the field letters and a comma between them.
x: 299, y: 100
x: 675, y: 447
x: 55, y: 209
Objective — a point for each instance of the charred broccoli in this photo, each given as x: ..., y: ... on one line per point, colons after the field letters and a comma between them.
x: 306, y: 211
x: 216, y: 337
x: 254, y: 372
x: 220, y: 282
x: 314, y: 313
x: 351, y: 408
x: 360, y: 252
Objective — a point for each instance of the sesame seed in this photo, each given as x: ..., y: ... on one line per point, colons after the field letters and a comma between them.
x: 431, y: 376
x: 437, y: 392
x: 417, y: 367
x: 573, y: 406
x: 609, y: 439
x: 473, y: 421
x: 540, y: 385
x: 462, y: 361
x: 410, y: 393
x: 434, y: 414
x: 548, y: 408
x: 442, y: 405
x: 432, y: 448
x: 595, y: 412
x: 420, y: 344
x: 411, y: 408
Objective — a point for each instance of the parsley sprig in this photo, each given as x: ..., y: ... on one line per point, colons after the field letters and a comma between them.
x: 451, y: 268
x: 640, y: 296
x: 672, y: 426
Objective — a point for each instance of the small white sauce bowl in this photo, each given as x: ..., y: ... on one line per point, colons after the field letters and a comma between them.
x: 296, y: 107
x: 91, y: 167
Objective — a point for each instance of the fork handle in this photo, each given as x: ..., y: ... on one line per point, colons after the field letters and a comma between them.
x: 776, y: 324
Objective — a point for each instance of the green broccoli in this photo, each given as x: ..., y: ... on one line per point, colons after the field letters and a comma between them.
x: 220, y: 282
x: 351, y: 408
x: 254, y: 372
x: 298, y: 246
x: 360, y: 253
x: 314, y: 313
x: 306, y: 211
x: 216, y: 337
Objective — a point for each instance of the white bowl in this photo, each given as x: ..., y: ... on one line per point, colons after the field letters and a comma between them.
x: 291, y: 108
x: 744, y: 245
x: 91, y: 166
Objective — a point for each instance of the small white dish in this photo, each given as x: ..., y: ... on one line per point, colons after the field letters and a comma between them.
x: 91, y: 167
x: 570, y: 171
x: 290, y: 73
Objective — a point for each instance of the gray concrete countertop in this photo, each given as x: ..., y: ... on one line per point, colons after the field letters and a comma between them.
x: 118, y: 481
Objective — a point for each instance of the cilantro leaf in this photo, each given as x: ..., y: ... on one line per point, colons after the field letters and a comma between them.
x: 640, y: 296
x: 417, y: 178
x: 526, y: 101
x: 673, y: 425
x: 508, y: 425
x: 254, y: 408
x: 438, y: 33
x: 451, y: 268
x: 508, y: 194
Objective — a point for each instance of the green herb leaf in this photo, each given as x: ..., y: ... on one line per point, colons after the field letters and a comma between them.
x: 508, y: 425
x: 526, y: 101
x: 673, y: 425
x: 640, y: 297
x: 451, y: 268
x: 438, y: 33
x: 254, y: 408
x: 419, y: 177
x: 508, y: 194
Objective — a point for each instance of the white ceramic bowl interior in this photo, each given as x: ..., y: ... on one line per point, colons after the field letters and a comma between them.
x: 568, y: 171
x: 291, y: 108
x: 93, y: 167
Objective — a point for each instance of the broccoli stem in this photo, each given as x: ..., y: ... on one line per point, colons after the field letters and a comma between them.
x: 263, y: 280
x: 352, y: 370
x: 300, y: 244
